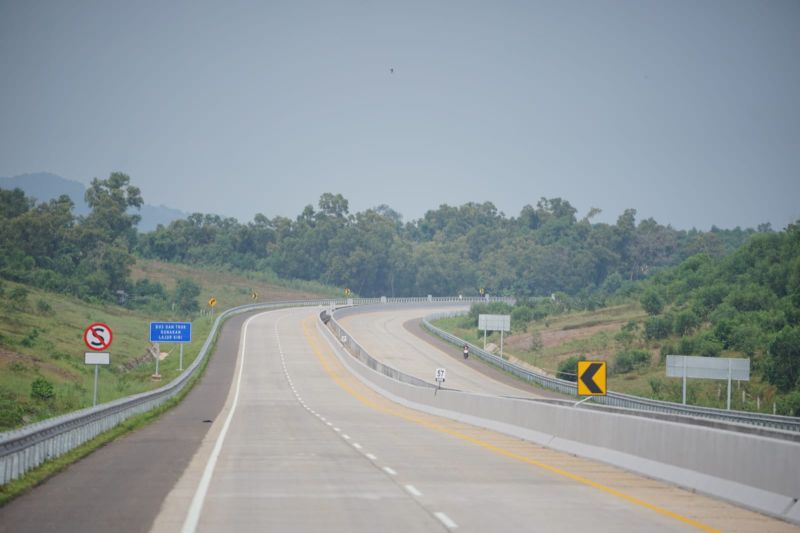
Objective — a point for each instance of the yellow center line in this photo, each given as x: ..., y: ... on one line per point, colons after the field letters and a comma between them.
x: 336, y: 376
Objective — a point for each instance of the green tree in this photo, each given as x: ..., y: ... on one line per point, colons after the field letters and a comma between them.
x: 783, y: 367
x: 652, y: 302
x: 110, y: 199
x: 628, y: 360
x: 186, y: 293
x: 14, y: 203
x: 107, y: 235
x: 657, y: 327
x: 685, y: 322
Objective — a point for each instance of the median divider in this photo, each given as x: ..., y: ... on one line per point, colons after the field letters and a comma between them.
x: 25, y: 448
x: 755, y: 471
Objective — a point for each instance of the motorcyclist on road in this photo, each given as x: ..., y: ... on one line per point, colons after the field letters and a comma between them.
x: 466, y: 351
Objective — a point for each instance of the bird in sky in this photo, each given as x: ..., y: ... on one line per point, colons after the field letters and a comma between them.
x: 391, y: 70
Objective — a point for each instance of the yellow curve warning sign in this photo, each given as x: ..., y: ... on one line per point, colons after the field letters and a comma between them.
x: 592, y: 378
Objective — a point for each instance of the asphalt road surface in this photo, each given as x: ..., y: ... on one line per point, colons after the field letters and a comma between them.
x: 302, y: 445
x: 385, y: 336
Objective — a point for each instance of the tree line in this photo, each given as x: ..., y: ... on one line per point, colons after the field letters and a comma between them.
x: 45, y: 245
x: 450, y: 250
x: 745, y: 304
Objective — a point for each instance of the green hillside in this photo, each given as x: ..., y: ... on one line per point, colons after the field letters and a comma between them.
x: 42, y: 370
x: 746, y: 304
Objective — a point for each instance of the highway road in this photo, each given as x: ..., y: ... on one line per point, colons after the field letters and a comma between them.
x: 303, y: 445
x: 384, y: 335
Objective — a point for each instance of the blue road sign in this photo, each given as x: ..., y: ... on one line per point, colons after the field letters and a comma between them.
x: 170, y: 332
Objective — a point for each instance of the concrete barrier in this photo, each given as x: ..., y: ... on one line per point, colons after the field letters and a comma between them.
x: 754, y: 471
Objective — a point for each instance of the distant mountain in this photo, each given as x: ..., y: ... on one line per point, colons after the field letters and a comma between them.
x: 44, y: 187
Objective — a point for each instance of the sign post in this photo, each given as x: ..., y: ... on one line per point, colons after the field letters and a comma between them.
x: 97, y: 337
x: 499, y: 323
x: 96, y: 359
x: 440, y: 375
x: 692, y: 366
x: 179, y: 332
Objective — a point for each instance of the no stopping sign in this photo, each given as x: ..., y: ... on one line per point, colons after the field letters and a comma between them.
x: 97, y: 336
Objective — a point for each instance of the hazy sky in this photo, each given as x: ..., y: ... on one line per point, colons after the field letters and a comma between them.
x: 687, y: 111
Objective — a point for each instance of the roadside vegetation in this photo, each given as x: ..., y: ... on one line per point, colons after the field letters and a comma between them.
x: 42, y: 370
x: 59, y: 273
x: 746, y: 304
x: 630, y: 292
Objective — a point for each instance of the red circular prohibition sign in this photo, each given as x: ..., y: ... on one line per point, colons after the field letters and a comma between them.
x: 98, y: 336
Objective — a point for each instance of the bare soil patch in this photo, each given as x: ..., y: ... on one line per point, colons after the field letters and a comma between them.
x: 554, y: 338
x: 32, y: 362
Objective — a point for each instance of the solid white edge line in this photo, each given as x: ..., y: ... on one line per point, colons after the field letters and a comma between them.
x: 196, y: 507
x: 444, y: 519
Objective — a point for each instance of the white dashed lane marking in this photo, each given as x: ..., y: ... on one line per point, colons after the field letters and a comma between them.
x: 444, y: 519
x: 411, y: 489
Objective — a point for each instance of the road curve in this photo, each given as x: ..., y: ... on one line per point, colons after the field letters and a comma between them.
x: 308, y: 447
x: 302, y: 445
x: 383, y: 335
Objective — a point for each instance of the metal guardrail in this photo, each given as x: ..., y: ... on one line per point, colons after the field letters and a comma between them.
x: 28, y: 447
x: 358, y: 351
x: 617, y: 399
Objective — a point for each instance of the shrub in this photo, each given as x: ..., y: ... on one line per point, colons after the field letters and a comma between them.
x: 750, y: 298
x: 657, y: 327
x: 568, y: 368
x: 10, y: 412
x: 17, y: 367
x: 630, y: 326
x: 186, y: 293
x: 709, y: 297
x: 520, y: 317
x: 707, y: 345
x: 652, y: 303
x: 685, y: 322
x: 491, y: 308
x: 783, y: 365
x: 43, y: 390
x: 629, y: 360
x: 29, y: 339
x: 536, y: 342
x: 789, y: 404
x: 18, y: 297
x: 43, y: 308
x: 624, y: 337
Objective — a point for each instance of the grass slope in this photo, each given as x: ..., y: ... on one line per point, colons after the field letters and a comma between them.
x: 42, y: 338
x: 600, y: 335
